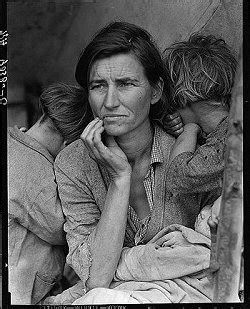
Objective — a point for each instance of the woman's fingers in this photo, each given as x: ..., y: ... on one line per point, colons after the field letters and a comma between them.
x: 93, y: 129
x: 89, y: 128
x: 93, y: 139
x: 97, y: 138
x: 111, y: 155
x: 98, y: 145
x: 171, y: 239
x: 164, y: 238
x: 89, y: 135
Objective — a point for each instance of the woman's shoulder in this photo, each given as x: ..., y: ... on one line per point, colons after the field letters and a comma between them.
x: 75, y: 167
x: 75, y: 155
x: 163, y: 141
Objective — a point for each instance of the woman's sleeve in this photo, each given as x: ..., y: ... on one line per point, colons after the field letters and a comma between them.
x: 201, y: 171
x: 82, y: 215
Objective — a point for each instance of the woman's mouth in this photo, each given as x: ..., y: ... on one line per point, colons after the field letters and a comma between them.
x: 113, y: 117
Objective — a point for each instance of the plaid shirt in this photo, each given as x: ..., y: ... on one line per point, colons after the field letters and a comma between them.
x: 140, y: 226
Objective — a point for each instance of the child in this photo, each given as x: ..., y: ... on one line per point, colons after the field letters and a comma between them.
x: 202, y: 72
x: 36, y: 236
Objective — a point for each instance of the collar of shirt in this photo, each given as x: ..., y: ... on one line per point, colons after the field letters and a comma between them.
x: 220, y: 130
x: 30, y: 142
x: 156, y: 152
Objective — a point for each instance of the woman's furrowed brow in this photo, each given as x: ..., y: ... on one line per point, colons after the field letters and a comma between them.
x: 127, y: 79
x: 118, y: 79
x: 96, y: 81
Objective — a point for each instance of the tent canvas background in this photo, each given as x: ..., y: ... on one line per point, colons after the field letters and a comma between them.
x: 46, y: 37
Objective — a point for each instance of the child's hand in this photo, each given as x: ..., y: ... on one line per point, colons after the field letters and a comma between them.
x: 172, y: 239
x: 173, y: 124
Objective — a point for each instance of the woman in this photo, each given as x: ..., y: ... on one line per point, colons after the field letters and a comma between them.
x: 36, y: 237
x: 112, y: 186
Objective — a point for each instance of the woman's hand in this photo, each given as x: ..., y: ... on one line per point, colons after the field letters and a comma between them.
x: 173, y: 124
x: 111, y: 155
x: 172, y: 239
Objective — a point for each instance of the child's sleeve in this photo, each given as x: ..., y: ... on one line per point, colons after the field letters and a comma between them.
x: 201, y: 171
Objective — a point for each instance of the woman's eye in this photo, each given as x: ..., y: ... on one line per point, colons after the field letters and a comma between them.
x: 97, y: 87
x: 126, y: 84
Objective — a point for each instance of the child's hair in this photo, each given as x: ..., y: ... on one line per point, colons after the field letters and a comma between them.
x: 202, y: 68
x: 66, y: 106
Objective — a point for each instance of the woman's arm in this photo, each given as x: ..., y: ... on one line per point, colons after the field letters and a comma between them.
x: 108, y: 237
x: 97, y: 241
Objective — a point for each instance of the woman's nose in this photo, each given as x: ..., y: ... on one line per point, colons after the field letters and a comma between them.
x: 111, y: 98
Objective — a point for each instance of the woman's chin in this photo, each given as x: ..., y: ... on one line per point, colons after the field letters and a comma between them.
x: 114, y: 130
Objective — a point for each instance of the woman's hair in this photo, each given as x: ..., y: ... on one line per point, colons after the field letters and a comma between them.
x: 122, y: 37
x: 202, y: 68
x: 68, y: 109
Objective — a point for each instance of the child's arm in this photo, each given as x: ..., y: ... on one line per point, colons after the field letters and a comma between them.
x: 186, y: 141
x: 201, y: 170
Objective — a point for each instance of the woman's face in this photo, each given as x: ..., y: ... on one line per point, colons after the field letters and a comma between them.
x: 120, y: 93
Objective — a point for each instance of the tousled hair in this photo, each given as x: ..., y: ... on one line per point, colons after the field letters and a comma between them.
x: 202, y: 68
x: 122, y: 37
x: 66, y: 106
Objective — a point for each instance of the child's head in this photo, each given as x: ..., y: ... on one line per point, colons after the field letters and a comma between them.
x: 201, y: 68
x: 201, y: 222
x: 66, y: 107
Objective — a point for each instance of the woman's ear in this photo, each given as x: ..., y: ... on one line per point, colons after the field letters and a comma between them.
x: 157, y: 91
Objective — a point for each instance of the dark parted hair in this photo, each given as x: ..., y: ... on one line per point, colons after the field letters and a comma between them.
x: 201, y: 68
x: 68, y: 109
x: 123, y: 37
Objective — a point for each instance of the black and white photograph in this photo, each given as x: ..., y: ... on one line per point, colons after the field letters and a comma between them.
x: 124, y: 153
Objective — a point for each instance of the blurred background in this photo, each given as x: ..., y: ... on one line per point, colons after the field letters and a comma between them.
x: 46, y: 37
